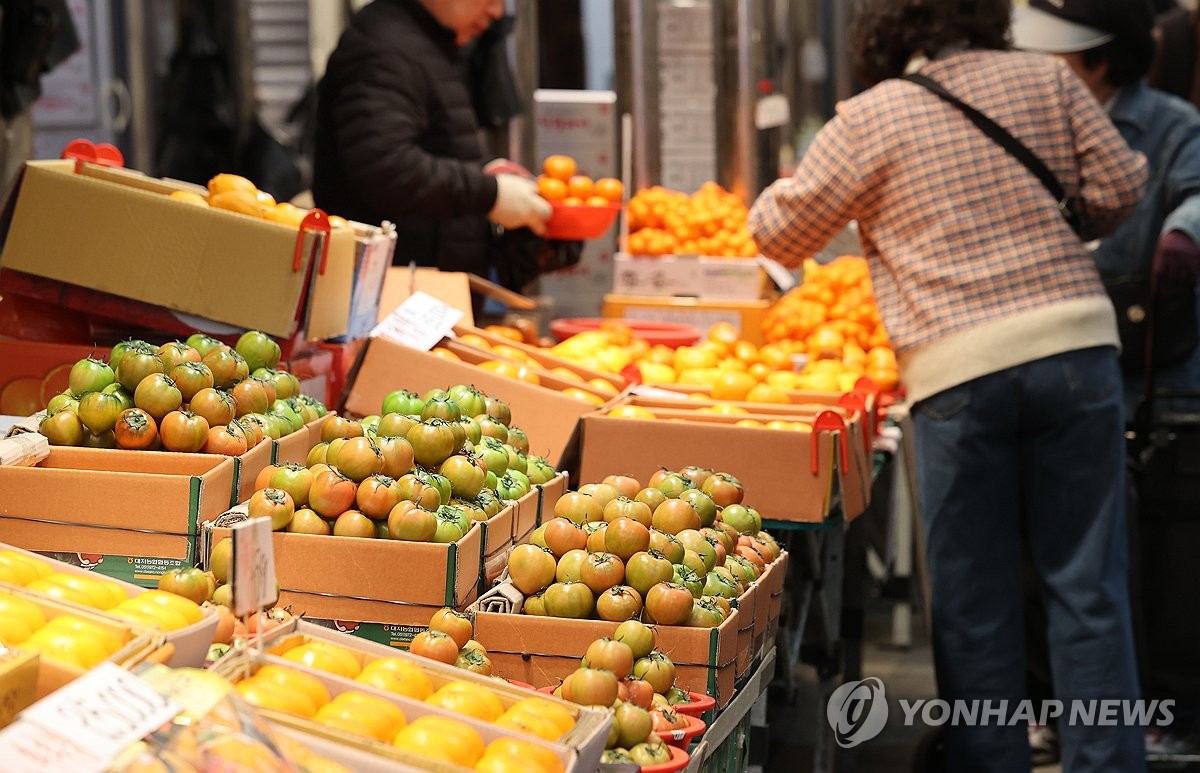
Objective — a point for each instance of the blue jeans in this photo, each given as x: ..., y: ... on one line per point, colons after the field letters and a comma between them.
x: 1041, y: 442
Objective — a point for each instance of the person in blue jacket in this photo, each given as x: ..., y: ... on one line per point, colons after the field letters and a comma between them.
x: 1110, y: 46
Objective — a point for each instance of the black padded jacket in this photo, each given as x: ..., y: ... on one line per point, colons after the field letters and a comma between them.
x: 397, y: 138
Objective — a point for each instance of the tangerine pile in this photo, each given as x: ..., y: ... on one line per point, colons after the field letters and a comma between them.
x: 712, y: 221
x: 832, y: 318
x: 561, y: 182
x: 235, y: 193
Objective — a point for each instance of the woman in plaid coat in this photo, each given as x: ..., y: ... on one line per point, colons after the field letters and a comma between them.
x: 1007, y: 345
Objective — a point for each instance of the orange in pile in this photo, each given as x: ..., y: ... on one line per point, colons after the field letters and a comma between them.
x: 560, y: 181
x: 237, y: 194
x: 832, y: 317
x: 712, y: 221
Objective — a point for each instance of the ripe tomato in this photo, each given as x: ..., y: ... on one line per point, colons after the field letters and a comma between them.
x: 618, y: 604
x: 175, y: 353
x: 623, y: 507
x: 490, y: 427
x: 452, y: 524
x: 610, y: 655
x: 217, y: 407
x: 227, y: 440
x: 250, y: 397
x: 376, y: 496
x: 591, y: 687
x: 183, y: 431
x: 625, y: 537
x: 454, y: 624
x: 625, y: 485
x: 435, y: 645
x: 498, y: 410
x: 667, y: 544
x: 415, y: 490
x: 358, y: 458
x: 439, y: 482
x: 652, y: 497
x: 227, y: 366
x: 466, y: 475
x: 668, y: 603
x: 562, y: 535
x: 639, y: 692
x: 307, y: 521
x: 601, y: 571
x: 411, y: 523
x: 433, y: 442
x: 352, y: 523
x: 89, y: 375
x: 645, y: 570
x: 340, y: 426
x: 136, y: 430
x: 674, y: 516
x: 705, y: 507
x: 272, y: 503
x: 724, y: 489
x: 293, y: 479
x: 570, y: 566
x: 136, y: 365
x: 258, y: 349
x: 569, y: 599
x: 331, y: 493
x: 578, y: 507
x: 531, y: 568
x: 475, y: 661
x: 99, y: 411
x: 666, y: 719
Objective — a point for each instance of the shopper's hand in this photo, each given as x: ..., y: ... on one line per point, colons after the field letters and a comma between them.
x: 1178, y: 261
x: 518, y: 204
x: 503, y: 166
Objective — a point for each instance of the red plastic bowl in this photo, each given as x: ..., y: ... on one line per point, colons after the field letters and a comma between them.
x: 670, y: 334
x: 548, y: 689
x: 682, y: 737
x: 696, y: 707
x: 679, y: 761
x: 581, y: 222
x: 522, y: 685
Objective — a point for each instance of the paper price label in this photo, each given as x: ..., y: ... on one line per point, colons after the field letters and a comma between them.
x: 253, y: 566
x: 85, y: 725
x: 419, y: 323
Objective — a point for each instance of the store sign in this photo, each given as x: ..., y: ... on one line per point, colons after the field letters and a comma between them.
x: 253, y: 566
x: 85, y: 725
x: 419, y: 322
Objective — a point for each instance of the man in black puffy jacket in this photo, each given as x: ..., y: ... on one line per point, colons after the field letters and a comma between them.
x: 397, y: 137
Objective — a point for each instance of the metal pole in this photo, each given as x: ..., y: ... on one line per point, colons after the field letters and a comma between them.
x: 137, y: 77
x: 744, y: 183
x: 522, y: 140
x: 638, y: 85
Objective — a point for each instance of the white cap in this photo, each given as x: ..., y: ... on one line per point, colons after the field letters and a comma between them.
x: 1036, y: 30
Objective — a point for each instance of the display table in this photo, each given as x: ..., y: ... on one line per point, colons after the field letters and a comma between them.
x: 723, y: 746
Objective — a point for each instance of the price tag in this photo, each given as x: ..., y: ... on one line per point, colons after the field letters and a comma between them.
x: 641, y: 390
x: 420, y: 322
x: 85, y: 725
x: 253, y: 566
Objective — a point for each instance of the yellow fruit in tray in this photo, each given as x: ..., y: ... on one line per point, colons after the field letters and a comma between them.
x: 77, y: 626
x: 601, y: 385
x: 224, y: 183
x: 189, y: 609
x: 397, y: 676
x: 294, y: 679
x: 243, y: 202
x: 24, y: 610
x: 22, y: 570
x: 60, y: 592
x: 632, y: 412
x: 13, y: 630
x: 566, y: 374
x: 656, y: 373
x: 470, y: 339
x: 765, y: 393
x: 583, y: 396
x: 324, y: 656
x: 732, y: 385
x: 68, y: 646
x: 285, y: 213
x: 101, y: 593
x: 363, y: 714
x: 338, y: 222
x: 271, y: 695
x: 149, y: 614
x: 557, y: 713
x: 470, y: 699
x: 189, y: 197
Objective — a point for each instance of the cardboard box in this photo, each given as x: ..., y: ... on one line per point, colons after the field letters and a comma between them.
x: 496, y: 541
x: 812, y: 462
x: 546, y: 379
x: 31, y: 372
x: 136, y: 513
x: 191, y: 642
x: 354, y: 577
x: 747, y: 607
x: 294, y: 448
x: 745, y: 316
x: 450, y: 287
x: 691, y: 276
x: 542, y: 650
x: 549, y: 417
x: 542, y: 356
x: 18, y: 684
x: 122, y: 223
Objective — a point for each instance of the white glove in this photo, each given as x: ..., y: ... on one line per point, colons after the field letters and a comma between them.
x: 518, y: 204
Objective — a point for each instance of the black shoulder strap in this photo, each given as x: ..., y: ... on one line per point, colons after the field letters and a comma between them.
x: 998, y: 134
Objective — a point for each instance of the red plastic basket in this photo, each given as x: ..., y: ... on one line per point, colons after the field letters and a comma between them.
x: 683, y: 736
x: 696, y: 707
x: 522, y: 685
x: 581, y: 222
x: 679, y: 761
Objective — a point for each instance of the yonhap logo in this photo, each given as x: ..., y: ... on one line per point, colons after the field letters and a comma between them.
x: 857, y: 711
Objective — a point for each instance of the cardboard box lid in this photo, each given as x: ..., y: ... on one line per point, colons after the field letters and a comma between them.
x: 127, y: 238
x: 451, y: 287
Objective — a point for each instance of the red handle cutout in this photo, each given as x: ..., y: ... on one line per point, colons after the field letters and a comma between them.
x: 828, y: 420
x: 317, y: 221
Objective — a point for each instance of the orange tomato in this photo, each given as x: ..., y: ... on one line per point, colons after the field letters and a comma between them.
x: 559, y: 167
x: 551, y: 188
